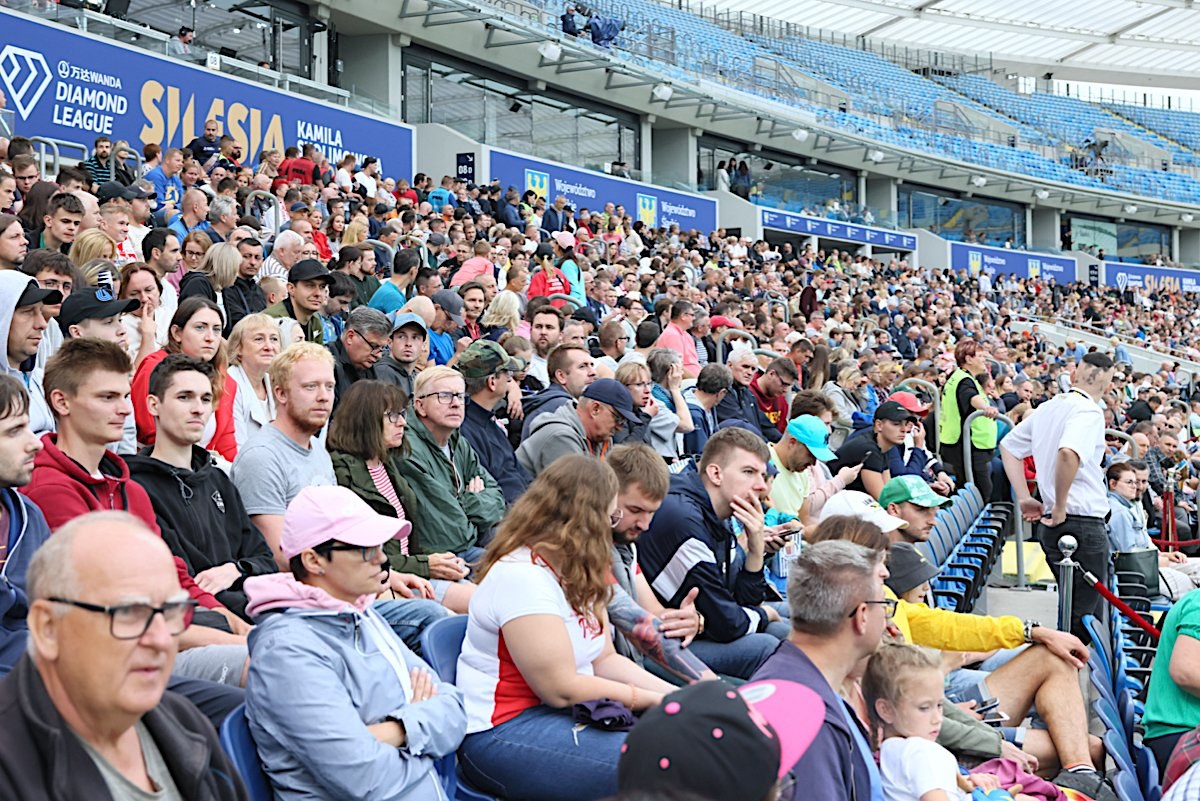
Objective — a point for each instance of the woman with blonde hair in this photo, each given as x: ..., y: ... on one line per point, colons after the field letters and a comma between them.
x: 196, y: 331
x: 90, y: 245
x: 356, y: 233
x: 502, y: 316
x: 539, y: 642
x: 216, y: 273
x: 252, y: 344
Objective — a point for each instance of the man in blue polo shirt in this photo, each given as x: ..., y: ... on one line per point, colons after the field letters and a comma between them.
x: 447, y: 322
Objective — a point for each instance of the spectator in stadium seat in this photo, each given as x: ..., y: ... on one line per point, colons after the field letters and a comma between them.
x: 391, y: 294
x: 284, y: 255
x: 644, y: 628
x: 244, y: 296
x: 713, y: 383
x: 351, y: 262
x: 215, y: 274
x: 284, y: 457
x: 891, y: 425
x: 13, y: 244
x: 407, y: 349
x: 60, y: 225
x: 198, y: 509
x: 72, y: 697
x: 477, y: 265
x: 253, y: 345
x: 545, y: 332
x: 23, y: 323
x: 360, y: 346
x: 739, y: 403
x: 24, y: 528
x: 168, y: 188
x: 677, y: 337
x: 538, y: 623
x: 804, y: 444
x: 549, y: 279
x: 487, y: 371
x: 688, y: 545
x: 570, y: 369
x: 307, y: 287
x: 838, y: 615
x: 770, y: 390
x: 460, y: 501
x: 195, y: 331
x: 377, y: 718
x: 584, y: 426
x: 911, y: 499
x: 97, y: 165
x: 446, y: 326
x: 207, y: 145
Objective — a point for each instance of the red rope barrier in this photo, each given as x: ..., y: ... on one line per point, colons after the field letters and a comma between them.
x: 1174, y: 543
x: 1123, y: 607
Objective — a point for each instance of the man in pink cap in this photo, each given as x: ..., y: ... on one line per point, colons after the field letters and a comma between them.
x: 370, y: 719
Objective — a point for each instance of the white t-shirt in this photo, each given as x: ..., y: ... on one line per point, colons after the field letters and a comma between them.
x: 519, y: 585
x: 1071, y: 420
x: 913, y: 766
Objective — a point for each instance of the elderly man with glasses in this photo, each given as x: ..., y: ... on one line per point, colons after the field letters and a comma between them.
x: 361, y: 345
x: 460, y: 501
x: 585, y: 427
x: 105, y: 615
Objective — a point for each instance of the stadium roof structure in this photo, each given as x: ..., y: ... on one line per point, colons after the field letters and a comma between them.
x: 1150, y: 36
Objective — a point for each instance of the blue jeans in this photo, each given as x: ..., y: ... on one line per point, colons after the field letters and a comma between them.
x: 744, y: 655
x: 473, y: 555
x: 408, y: 617
x: 538, y: 756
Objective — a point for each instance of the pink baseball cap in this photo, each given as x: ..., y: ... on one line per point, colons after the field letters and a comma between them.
x: 320, y: 514
x: 795, y: 712
x: 565, y: 239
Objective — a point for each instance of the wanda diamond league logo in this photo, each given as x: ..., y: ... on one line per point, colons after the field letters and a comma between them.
x: 25, y: 75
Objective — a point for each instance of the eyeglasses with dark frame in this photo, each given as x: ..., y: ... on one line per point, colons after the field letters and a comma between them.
x: 395, y: 416
x: 132, y: 621
x: 445, y: 398
x: 369, y: 553
x: 375, y: 349
x: 888, y: 604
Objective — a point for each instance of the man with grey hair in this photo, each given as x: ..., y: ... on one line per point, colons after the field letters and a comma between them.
x: 105, y: 614
x: 222, y: 218
x: 739, y: 402
x: 839, y: 613
x: 284, y: 256
x: 360, y: 346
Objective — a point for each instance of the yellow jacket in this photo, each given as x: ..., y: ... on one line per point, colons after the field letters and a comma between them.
x: 955, y: 631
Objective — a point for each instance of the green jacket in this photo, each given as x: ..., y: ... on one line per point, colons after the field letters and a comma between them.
x: 313, y: 332
x: 351, y: 473
x: 963, y: 734
x: 448, y: 517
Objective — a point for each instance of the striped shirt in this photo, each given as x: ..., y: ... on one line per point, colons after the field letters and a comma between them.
x: 101, y: 171
x: 383, y: 483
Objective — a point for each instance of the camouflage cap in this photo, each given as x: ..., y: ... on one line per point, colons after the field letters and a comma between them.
x: 484, y: 358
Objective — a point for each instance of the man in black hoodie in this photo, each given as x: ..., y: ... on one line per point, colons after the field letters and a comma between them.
x: 197, y: 507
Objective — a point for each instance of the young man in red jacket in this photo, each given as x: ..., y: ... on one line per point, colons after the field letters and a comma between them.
x: 87, y: 387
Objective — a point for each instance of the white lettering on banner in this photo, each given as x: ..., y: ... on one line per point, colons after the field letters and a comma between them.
x: 319, y: 134
x: 579, y: 190
x: 90, y: 76
x: 681, y: 211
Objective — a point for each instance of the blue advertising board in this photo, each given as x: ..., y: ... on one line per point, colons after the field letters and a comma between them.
x: 71, y: 86
x: 653, y: 205
x: 1150, y: 279
x: 803, y: 225
x: 1002, y: 261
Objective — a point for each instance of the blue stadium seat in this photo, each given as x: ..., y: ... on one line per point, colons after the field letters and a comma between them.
x: 239, y: 745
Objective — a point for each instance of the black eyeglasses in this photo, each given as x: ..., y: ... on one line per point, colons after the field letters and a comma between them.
x: 375, y: 348
x: 888, y: 604
x: 446, y: 398
x: 131, y: 621
x: 394, y: 417
x: 368, y: 554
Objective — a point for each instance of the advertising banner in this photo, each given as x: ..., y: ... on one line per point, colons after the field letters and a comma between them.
x: 653, y: 205
x: 1003, y: 261
x: 67, y: 85
x: 804, y: 225
x: 1150, y: 279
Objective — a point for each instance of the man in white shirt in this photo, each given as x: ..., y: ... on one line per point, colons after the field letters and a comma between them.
x: 1065, y: 437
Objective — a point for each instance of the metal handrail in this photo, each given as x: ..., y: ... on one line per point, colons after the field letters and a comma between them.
x: 722, y: 356
x: 1112, y: 433
x: 257, y: 193
x: 787, y: 311
x: 118, y: 154
x: 968, y: 470
x: 376, y: 244
x: 574, y: 304
x: 935, y: 407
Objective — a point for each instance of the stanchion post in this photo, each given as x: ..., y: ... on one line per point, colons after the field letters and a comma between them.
x: 1066, y: 581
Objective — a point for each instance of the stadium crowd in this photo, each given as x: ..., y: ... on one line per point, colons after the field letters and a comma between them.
x: 275, y: 441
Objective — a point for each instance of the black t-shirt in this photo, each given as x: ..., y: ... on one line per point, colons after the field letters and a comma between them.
x: 962, y: 395
x: 862, y: 450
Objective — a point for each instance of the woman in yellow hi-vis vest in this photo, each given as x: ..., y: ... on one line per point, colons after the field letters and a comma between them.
x: 961, y: 396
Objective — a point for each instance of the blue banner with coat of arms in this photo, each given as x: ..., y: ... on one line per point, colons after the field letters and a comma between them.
x: 653, y: 205
x: 976, y: 259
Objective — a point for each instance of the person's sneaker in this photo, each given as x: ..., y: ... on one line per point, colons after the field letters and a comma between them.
x: 1088, y: 782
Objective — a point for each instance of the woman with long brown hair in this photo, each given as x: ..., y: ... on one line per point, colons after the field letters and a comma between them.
x: 538, y: 643
x: 195, y: 330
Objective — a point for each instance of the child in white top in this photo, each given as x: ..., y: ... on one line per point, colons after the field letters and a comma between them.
x: 903, y: 687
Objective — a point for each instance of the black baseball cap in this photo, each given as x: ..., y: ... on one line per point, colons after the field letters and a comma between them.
x: 908, y: 568
x: 309, y: 270
x: 35, y: 294
x: 891, y: 410
x: 113, y: 190
x: 92, y: 303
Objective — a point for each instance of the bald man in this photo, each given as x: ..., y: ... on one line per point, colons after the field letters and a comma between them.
x: 194, y: 216
x: 106, y: 611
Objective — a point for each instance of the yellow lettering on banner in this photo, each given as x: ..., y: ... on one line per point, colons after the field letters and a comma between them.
x: 170, y: 123
x: 153, y: 130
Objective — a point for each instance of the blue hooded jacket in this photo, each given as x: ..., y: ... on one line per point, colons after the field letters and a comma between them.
x: 27, y: 530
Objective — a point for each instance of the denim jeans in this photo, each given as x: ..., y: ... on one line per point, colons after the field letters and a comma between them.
x: 1093, y: 555
x: 744, y: 655
x: 473, y: 555
x: 408, y: 617
x: 540, y: 756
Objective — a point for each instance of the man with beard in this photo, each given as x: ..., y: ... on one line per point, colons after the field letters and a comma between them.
x: 283, y: 458
x: 805, y: 441
x: 911, y: 499
x: 545, y: 329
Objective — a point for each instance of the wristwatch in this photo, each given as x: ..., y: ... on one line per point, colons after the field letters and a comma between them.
x: 1030, y: 625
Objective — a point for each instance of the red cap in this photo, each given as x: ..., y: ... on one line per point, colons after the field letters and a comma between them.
x: 721, y: 321
x: 910, y: 402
